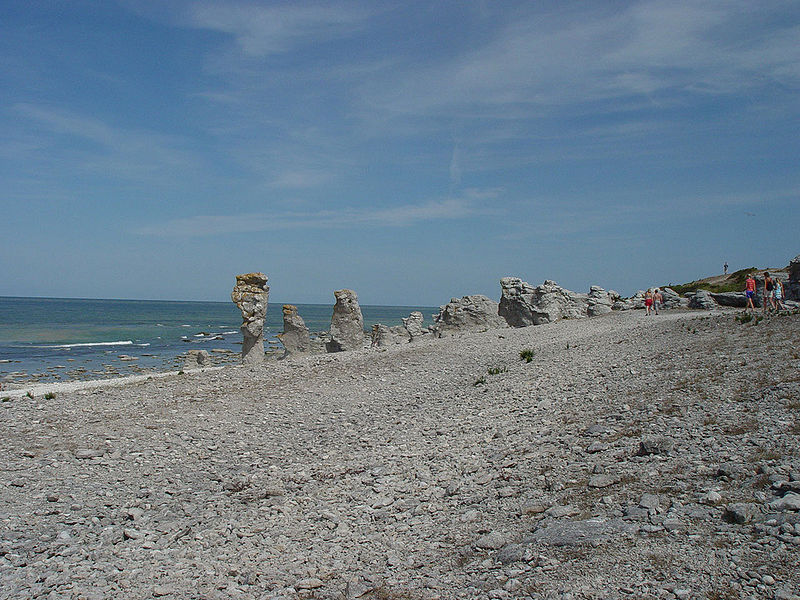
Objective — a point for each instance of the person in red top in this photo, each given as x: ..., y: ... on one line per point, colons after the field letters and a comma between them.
x: 750, y: 291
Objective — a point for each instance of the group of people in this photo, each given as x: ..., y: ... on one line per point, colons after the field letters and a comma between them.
x: 773, y: 292
x: 653, y: 300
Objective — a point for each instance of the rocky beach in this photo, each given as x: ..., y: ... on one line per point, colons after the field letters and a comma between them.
x: 624, y: 456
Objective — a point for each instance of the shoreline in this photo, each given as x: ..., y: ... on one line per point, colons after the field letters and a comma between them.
x: 229, y: 360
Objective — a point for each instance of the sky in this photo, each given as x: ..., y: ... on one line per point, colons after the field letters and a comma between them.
x: 410, y: 151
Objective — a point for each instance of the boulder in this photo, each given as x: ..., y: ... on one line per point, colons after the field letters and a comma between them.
x: 469, y: 313
x: 702, y: 299
x: 671, y: 298
x: 413, y: 324
x: 295, y: 337
x: 791, y: 279
x: 735, y: 299
x: 383, y: 335
x: 600, y: 301
x: 347, y: 323
x: 251, y: 295
x: 794, y: 269
x: 197, y: 359
x: 522, y: 304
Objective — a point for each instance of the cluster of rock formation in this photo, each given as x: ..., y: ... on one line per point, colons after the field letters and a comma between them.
x: 251, y: 295
x: 521, y: 305
x: 469, y: 313
x: 383, y: 335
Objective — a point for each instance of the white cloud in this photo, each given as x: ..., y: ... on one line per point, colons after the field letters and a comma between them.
x: 264, y: 30
x: 576, y: 58
x: 111, y: 150
x: 397, y: 216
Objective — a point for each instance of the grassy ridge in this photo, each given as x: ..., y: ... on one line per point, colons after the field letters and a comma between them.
x: 733, y: 283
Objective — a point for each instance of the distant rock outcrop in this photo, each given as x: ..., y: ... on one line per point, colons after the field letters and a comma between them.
x: 469, y: 313
x: 794, y: 269
x: 413, y: 324
x: 197, y: 359
x: 600, y: 301
x: 383, y: 335
x: 735, y: 299
x: 792, y: 285
x: 251, y: 295
x: 522, y: 304
x: 295, y: 337
x: 671, y: 298
x: 347, y: 323
x: 702, y: 299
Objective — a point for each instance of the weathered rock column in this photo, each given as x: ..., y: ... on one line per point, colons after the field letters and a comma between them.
x: 347, y: 323
x: 792, y: 285
x: 251, y: 294
x: 295, y: 337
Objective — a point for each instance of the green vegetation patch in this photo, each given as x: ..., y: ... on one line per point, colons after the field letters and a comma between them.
x: 733, y: 283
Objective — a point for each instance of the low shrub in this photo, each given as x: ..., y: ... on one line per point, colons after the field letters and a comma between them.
x: 527, y: 355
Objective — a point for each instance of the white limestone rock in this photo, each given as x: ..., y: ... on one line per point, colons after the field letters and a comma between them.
x: 522, y: 304
x: 702, y: 299
x: 251, y: 295
x: 197, y: 359
x: 347, y: 323
x: 413, y: 324
x: 383, y: 335
x: 469, y: 313
x: 295, y: 337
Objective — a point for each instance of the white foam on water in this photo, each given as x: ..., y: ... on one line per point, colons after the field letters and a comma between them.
x: 88, y: 345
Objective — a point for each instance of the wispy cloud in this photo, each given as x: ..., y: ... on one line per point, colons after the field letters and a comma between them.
x: 599, y: 55
x: 110, y: 150
x: 395, y: 216
x: 265, y: 30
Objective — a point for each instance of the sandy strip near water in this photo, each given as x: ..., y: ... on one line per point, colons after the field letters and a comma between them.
x: 39, y: 389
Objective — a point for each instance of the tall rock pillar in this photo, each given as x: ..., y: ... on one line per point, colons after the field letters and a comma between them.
x: 295, y: 337
x: 347, y: 323
x: 251, y: 294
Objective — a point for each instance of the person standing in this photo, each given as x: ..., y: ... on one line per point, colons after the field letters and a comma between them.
x: 725, y: 268
x: 648, y: 302
x: 750, y: 291
x: 778, y: 293
x: 658, y: 300
x: 769, y: 288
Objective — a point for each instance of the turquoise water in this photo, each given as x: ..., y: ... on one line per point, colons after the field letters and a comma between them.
x: 56, y: 339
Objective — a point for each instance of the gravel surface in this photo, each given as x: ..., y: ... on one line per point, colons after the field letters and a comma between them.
x: 632, y: 457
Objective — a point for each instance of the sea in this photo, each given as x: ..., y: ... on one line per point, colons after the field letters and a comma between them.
x: 46, y: 340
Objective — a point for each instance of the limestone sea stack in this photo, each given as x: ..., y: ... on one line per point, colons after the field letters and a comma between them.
x: 469, y: 313
x: 295, y: 337
x: 251, y: 294
x: 347, y: 323
x: 522, y: 304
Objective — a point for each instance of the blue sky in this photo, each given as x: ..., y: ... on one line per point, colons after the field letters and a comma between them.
x: 412, y: 151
